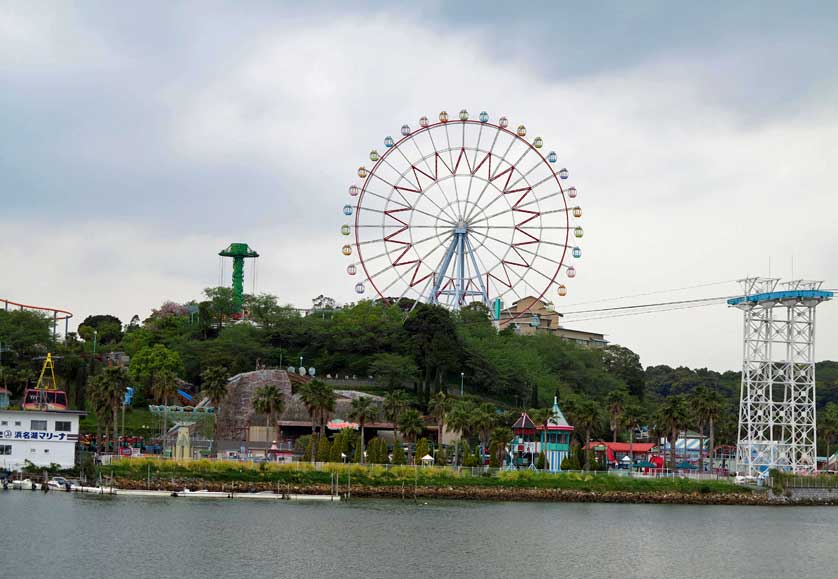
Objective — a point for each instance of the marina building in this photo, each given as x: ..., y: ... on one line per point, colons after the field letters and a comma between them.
x: 42, y: 437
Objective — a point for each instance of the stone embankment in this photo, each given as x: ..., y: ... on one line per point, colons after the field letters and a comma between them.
x: 488, y: 493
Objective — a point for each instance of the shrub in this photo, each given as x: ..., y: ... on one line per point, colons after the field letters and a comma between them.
x: 570, y: 463
x: 398, y: 453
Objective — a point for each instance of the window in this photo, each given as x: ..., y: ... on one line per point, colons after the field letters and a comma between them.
x: 46, y: 450
x: 62, y: 425
x: 17, y: 422
x: 5, y: 449
x: 4, y: 423
x: 33, y: 450
x: 38, y: 425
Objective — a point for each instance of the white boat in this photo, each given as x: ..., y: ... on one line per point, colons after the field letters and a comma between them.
x: 24, y: 484
x: 58, y: 483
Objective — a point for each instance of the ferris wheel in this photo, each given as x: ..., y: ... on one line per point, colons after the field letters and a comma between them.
x: 458, y: 211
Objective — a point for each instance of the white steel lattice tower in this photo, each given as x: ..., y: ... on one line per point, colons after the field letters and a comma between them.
x: 777, y: 423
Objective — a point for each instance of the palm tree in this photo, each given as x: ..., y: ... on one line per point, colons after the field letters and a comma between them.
x: 214, y: 382
x: 395, y: 403
x: 828, y: 423
x: 483, y: 420
x: 672, y: 416
x: 459, y: 422
x: 319, y: 400
x: 439, y: 406
x: 499, y: 439
x: 586, y: 415
x: 363, y: 409
x: 164, y: 386
x: 269, y: 400
x: 99, y: 404
x: 411, y: 426
x: 633, y: 419
x: 706, y: 405
x: 616, y: 400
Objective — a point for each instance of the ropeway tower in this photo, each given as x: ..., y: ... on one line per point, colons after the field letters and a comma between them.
x: 777, y: 423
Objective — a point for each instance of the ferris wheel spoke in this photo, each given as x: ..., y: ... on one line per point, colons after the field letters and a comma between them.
x: 433, y: 171
x: 436, y: 169
x: 410, y: 286
x: 387, y: 199
x: 402, y: 175
x: 392, y: 188
x: 523, y: 176
x: 474, y: 162
x: 541, y: 199
x: 497, y: 281
x: 420, y: 192
x: 500, y: 163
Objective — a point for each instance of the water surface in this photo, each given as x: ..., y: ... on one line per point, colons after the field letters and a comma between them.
x: 70, y: 536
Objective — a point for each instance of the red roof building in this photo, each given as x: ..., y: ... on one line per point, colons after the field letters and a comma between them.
x: 614, y: 452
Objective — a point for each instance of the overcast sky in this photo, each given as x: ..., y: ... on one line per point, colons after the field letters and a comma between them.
x: 136, y: 141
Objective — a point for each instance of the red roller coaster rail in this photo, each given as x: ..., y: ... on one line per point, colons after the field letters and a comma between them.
x: 57, y: 314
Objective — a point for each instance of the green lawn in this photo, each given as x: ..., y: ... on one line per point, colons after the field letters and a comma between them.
x: 135, y: 419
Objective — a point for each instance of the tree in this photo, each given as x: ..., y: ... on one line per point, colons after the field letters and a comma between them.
x: 363, y: 409
x: 439, y: 406
x: 423, y: 448
x: 324, y: 449
x: 398, y: 453
x: 411, y: 426
x: 105, y: 392
x: 586, y: 415
x: 616, y: 400
x: 500, y: 438
x: 108, y: 328
x: 147, y: 363
x: 672, y: 416
x: 269, y: 400
x: 633, y: 418
x: 482, y: 420
x: 393, y: 370
x: 706, y: 405
x: 459, y: 422
x: 322, y: 302
x: 828, y: 423
x: 395, y: 403
x: 625, y: 365
x: 220, y: 303
x: 436, y: 344
x: 319, y: 400
x: 164, y: 386
x: 214, y: 385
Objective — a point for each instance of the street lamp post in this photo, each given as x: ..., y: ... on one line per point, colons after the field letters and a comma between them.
x: 95, y: 334
x: 301, y: 361
x: 462, y: 375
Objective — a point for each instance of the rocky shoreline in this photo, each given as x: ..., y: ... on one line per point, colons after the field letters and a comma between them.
x: 478, y: 493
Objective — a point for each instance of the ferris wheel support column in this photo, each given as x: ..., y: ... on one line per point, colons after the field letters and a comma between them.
x: 477, y: 273
x: 440, y: 275
x: 461, y: 268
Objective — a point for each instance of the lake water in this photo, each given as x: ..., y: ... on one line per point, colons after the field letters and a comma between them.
x: 68, y: 536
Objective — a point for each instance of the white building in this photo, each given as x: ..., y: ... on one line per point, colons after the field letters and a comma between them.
x: 41, y: 437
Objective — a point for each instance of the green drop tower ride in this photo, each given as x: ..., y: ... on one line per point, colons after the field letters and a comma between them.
x: 239, y: 252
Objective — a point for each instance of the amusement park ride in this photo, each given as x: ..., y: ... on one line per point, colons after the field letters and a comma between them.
x: 238, y: 252
x: 45, y: 395
x: 462, y: 210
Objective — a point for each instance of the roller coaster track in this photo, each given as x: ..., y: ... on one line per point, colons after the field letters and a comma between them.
x: 57, y: 314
